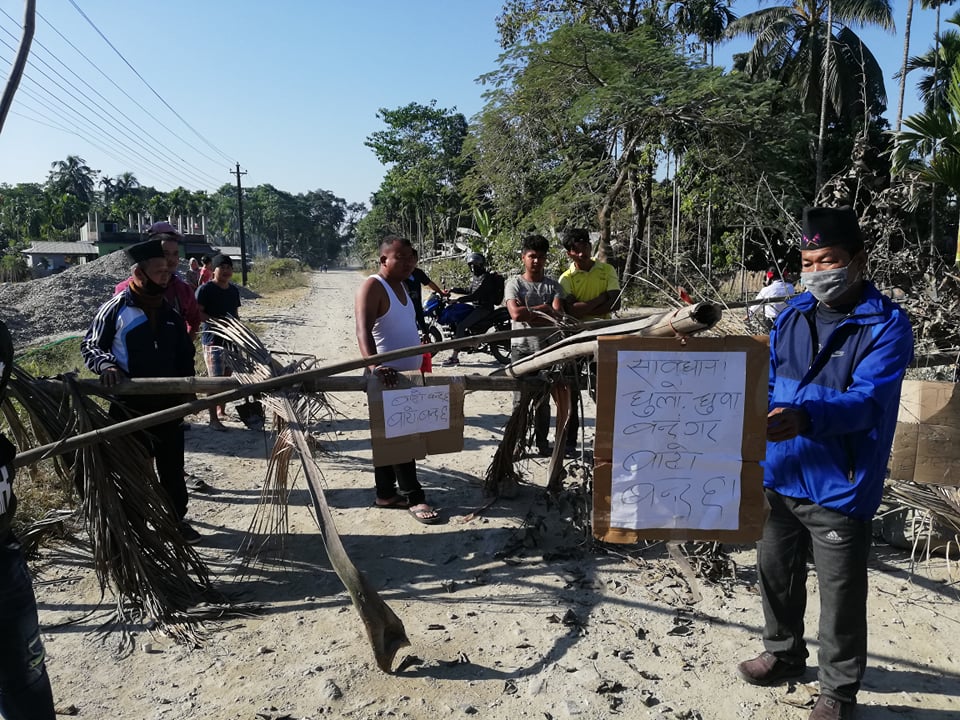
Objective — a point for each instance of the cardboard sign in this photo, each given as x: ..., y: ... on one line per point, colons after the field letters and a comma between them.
x: 926, y: 445
x: 680, y: 436
x: 415, y: 418
x: 416, y: 410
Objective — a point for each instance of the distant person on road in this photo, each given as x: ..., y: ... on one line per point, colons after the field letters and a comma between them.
x: 593, y: 292
x: 386, y: 321
x: 218, y: 298
x: 486, y: 292
x: 838, y: 355
x: 528, y: 297
x: 192, y: 276
x: 24, y: 684
x: 415, y: 283
x: 177, y: 292
x: 774, y: 286
x: 206, y: 272
x: 136, y: 334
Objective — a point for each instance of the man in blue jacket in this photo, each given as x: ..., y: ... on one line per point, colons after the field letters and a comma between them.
x: 136, y: 334
x: 838, y: 354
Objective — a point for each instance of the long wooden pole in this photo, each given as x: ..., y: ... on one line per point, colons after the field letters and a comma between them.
x: 28, y: 457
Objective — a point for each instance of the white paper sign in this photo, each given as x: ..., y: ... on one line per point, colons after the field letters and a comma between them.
x: 416, y: 410
x: 678, y: 427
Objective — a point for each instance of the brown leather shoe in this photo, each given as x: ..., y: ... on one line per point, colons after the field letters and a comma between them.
x: 828, y: 708
x: 768, y: 669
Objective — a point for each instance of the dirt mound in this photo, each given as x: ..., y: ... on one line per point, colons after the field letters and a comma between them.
x: 64, y: 304
x: 60, y: 304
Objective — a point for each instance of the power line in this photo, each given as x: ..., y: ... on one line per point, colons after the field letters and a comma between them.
x: 107, y: 120
x: 69, y: 132
x: 106, y: 136
x: 169, y: 107
x: 125, y: 93
x: 106, y: 100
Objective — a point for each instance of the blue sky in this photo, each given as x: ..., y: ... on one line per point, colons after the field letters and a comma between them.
x: 290, y: 88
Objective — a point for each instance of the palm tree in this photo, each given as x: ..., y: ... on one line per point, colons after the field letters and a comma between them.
x: 790, y: 46
x: 936, y: 64
x: 707, y: 19
x: 126, y: 184
x: 74, y: 176
x: 929, y: 147
x: 903, y: 70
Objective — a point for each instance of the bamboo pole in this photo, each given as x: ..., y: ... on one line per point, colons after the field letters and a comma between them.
x: 207, y: 385
x: 683, y: 321
x: 298, y: 379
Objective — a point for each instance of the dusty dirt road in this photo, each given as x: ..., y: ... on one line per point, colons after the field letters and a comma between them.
x: 511, y: 615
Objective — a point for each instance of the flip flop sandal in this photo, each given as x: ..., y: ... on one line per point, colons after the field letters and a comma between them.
x: 424, y: 509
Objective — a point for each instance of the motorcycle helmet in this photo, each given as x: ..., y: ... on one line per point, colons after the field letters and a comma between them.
x: 476, y: 259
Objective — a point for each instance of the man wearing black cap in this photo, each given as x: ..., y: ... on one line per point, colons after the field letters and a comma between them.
x: 838, y: 354
x: 217, y: 298
x: 137, y: 334
x: 178, y: 293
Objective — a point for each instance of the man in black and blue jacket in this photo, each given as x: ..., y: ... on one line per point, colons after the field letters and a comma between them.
x: 838, y: 354
x: 137, y: 334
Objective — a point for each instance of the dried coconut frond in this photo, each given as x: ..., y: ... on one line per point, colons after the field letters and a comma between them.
x: 293, y: 414
x: 138, y: 551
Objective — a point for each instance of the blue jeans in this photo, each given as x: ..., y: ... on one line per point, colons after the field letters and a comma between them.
x: 25, y: 692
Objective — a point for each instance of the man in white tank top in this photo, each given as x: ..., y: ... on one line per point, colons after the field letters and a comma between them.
x: 386, y: 321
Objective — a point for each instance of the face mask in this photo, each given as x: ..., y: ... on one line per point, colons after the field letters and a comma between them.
x: 152, y: 288
x: 827, y: 285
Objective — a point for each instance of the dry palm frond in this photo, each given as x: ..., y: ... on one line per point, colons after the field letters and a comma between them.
x: 253, y: 362
x: 293, y: 412
x: 46, y: 417
x: 501, y: 477
x: 138, y: 551
x: 939, y: 508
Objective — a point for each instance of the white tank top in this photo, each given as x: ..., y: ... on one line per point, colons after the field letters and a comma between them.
x: 397, y: 328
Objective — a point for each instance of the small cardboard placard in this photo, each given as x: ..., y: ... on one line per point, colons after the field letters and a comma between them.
x: 415, y: 418
x: 681, y: 432
x: 926, y: 445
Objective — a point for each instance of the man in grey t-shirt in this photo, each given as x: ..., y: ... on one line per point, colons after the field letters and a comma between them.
x: 532, y: 299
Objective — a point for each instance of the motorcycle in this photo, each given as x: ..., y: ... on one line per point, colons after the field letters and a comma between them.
x: 441, y: 317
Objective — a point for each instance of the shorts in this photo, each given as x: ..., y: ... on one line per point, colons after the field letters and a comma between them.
x: 214, y: 359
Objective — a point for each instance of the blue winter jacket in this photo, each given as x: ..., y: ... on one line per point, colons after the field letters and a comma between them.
x: 850, y: 390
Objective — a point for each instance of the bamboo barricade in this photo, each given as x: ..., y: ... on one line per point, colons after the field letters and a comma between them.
x: 688, y: 319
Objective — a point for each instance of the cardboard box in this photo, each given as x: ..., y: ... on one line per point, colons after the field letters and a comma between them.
x: 752, y: 354
x: 413, y: 445
x: 926, y: 445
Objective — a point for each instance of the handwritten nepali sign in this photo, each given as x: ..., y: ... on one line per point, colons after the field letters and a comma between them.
x: 676, y: 449
x: 671, y: 437
x: 416, y: 410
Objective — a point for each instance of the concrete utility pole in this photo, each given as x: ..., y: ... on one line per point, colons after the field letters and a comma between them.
x: 243, y: 242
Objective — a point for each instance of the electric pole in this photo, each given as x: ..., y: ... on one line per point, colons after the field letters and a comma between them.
x: 243, y: 242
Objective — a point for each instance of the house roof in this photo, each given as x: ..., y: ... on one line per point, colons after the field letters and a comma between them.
x: 61, y: 248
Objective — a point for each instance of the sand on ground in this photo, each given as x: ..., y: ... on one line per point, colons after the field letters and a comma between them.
x: 512, y: 614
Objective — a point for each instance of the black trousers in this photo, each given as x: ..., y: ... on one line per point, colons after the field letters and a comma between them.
x: 841, y: 546
x: 475, y: 317
x: 165, y: 443
x: 403, y: 478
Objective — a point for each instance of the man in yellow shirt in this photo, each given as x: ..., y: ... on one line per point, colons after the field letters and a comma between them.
x: 593, y: 292
x: 591, y: 286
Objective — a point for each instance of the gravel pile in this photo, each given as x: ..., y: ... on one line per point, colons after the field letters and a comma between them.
x: 64, y: 304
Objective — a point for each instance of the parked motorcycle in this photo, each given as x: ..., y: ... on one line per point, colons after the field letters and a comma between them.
x: 442, y: 316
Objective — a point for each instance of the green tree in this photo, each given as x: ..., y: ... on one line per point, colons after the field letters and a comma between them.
x: 73, y: 176
x: 422, y: 146
x: 929, y: 148
x: 936, y: 66
x: 790, y: 46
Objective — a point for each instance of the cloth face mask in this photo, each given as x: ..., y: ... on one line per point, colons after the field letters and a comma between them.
x: 828, y: 285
